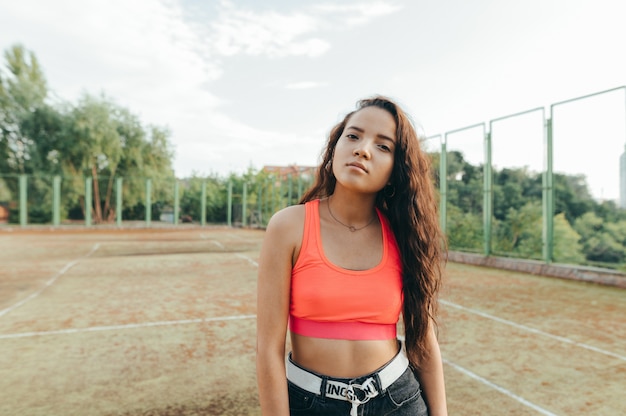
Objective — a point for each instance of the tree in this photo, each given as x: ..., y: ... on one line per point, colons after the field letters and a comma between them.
x: 94, y: 138
x: 191, y: 198
x: 29, y: 129
x: 523, y: 228
x: 571, y: 196
x: 96, y: 145
x: 609, y: 211
x: 567, y: 247
x: 465, y: 182
x: 602, y: 241
x: 464, y: 229
x: 106, y: 141
x: 512, y: 188
x: 588, y: 225
x: 23, y: 89
x: 602, y: 247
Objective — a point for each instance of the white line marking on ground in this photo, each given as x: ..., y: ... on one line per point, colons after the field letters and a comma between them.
x: 127, y: 326
x: 215, y: 242
x: 499, y: 388
x: 238, y: 237
x: 49, y: 282
x: 492, y: 385
x: 534, y: 331
x: 248, y: 259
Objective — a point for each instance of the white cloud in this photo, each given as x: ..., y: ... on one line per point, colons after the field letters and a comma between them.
x: 136, y: 50
x: 274, y: 34
x: 239, y: 31
x: 305, y: 85
x: 231, y: 146
x: 361, y: 13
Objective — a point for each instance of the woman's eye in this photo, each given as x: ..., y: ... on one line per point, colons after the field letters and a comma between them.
x: 352, y: 136
x: 385, y: 148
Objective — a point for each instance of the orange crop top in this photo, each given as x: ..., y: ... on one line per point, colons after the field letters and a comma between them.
x: 328, y: 301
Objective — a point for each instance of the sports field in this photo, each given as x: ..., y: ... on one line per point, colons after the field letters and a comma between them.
x: 162, y: 322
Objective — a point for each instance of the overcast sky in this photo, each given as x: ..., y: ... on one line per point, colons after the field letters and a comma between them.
x: 249, y: 83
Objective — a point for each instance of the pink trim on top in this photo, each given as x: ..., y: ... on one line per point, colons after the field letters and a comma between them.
x: 342, y: 330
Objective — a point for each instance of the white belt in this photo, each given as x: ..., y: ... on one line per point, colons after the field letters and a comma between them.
x: 356, y: 394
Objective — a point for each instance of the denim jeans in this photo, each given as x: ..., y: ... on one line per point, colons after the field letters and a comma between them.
x: 403, y: 397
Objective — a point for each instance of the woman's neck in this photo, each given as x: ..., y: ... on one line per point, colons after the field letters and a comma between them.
x: 351, y: 209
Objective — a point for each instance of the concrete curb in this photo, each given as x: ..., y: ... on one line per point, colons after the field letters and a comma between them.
x: 597, y: 275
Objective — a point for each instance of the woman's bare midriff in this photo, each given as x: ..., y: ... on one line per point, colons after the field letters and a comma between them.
x: 342, y: 358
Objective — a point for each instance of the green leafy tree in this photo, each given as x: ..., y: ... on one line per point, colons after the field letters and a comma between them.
x: 567, y: 247
x: 609, y: 211
x: 23, y: 89
x: 602, y: 241
x: 519, y: 233
x: 108, y: 142
x: 602, y: 247
x: 465, y: 230
x: 466, y: 192
x: 571, y: 196
x: 513, y: 188
x: 94, y: 138
x: 617, y: 230
x: 96, y: 145
x: 29, y: 130
x: 191, y: 198
x: 588, y: 225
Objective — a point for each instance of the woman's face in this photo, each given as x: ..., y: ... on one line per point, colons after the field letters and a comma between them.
x: 364, y: 154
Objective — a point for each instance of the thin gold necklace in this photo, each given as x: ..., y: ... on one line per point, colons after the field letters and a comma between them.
x: 352, y: 228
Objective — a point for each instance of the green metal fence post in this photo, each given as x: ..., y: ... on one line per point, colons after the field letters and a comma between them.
x: 88, y: 201
x: 266, y: 196
x: 176, y: 202
x: 299, y: 187
x: 23, y: 200
x: 203, y: 204
x: 244, y: 204
x: 273, y: 197
x: 56, y: 201
x: 260, y: 202
x: 229, y: 214
x: 443, y: 185
x: 118, y: 201
x: 487, y: 195
x: 148, y: 202
x: 548, y: 195
x: 290, y: 192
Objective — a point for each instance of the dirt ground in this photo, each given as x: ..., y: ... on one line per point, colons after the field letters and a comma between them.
x: 162, y: 322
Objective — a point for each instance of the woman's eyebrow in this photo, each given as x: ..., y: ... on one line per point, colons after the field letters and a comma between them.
x: 380, y: 136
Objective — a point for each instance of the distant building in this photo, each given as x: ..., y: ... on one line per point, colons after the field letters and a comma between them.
x: 306, y: 173
x: 622, y: 179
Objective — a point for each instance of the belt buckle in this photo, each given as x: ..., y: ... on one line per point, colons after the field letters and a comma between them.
x: 368, y: 388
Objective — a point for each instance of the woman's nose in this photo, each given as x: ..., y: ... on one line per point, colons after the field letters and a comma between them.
x: 362, y: 151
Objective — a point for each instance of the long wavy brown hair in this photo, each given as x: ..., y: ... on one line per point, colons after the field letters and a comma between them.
x: 410, y: 205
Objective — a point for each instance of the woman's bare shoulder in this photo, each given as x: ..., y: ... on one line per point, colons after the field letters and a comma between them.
x: 289, y: 218
x: 285, y: 230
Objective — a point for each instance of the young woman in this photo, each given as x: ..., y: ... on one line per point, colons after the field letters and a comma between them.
x: 362, y: 248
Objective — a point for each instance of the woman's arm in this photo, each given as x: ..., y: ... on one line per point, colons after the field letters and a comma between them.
x: 274, y: 280
x: 431, y: 377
